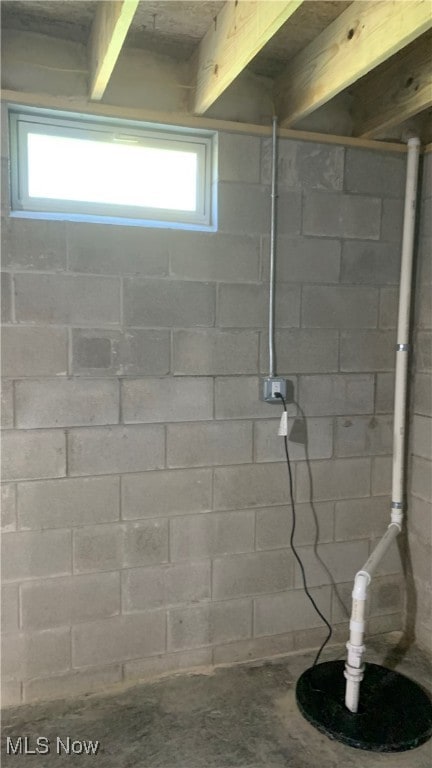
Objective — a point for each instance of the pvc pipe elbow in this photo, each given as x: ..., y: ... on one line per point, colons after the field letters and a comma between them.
x: 361, y: 583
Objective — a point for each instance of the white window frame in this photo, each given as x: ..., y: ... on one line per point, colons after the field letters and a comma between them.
x: 23, y: 121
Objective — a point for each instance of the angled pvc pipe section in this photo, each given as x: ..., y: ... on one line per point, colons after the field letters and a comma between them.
x: 354, y: 667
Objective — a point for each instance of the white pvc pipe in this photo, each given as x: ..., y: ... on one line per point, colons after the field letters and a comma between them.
x: 354, y: 668
x: 404, y: 323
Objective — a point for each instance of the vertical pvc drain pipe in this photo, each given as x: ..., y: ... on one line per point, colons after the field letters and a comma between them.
x: 271, y: 340
x: 402, y: 346
x: 354, y: 668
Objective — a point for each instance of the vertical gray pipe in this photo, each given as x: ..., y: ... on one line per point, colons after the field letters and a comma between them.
x: 271, y: 341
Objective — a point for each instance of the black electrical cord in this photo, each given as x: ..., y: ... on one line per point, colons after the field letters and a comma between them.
x: 296, y: 554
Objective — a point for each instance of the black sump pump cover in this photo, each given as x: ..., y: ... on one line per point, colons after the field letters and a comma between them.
x: 395, y: 714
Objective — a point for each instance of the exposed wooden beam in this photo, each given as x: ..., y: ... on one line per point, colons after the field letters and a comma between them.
x: 239, y: 31
x: 110, y: 26
x: 397, y: 90
x: 68, y: 104
x: 361, y: 38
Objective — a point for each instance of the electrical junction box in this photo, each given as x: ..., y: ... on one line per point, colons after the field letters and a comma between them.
x: 272, y: 386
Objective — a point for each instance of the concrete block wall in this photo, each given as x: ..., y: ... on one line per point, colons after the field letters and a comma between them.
x: 146, y: 511
x: 420, y: 464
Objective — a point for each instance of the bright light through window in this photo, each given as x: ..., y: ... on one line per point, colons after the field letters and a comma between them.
x: 103, y: 172
x: 78, y: 167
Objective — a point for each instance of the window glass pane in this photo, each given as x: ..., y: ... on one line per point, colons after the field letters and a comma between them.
x: 64, y: 168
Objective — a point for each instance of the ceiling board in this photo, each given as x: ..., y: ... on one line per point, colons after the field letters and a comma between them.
x: 181, y: 18
x: 171, y: 27
x: 175, y: 28
x: 71, y: 20
x: 304, y: 25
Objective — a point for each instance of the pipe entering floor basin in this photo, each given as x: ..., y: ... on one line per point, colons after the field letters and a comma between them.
x: 363, y: 705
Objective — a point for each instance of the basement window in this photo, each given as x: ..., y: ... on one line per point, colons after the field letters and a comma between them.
x: 68, y: 166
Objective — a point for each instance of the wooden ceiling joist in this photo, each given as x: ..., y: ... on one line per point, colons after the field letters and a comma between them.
x: 239, y: 31
x: 397, y: 90
x: 360, y: 39
x: 109, y: 29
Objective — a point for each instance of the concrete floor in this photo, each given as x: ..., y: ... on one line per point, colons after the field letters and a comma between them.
x: 242, y: 717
